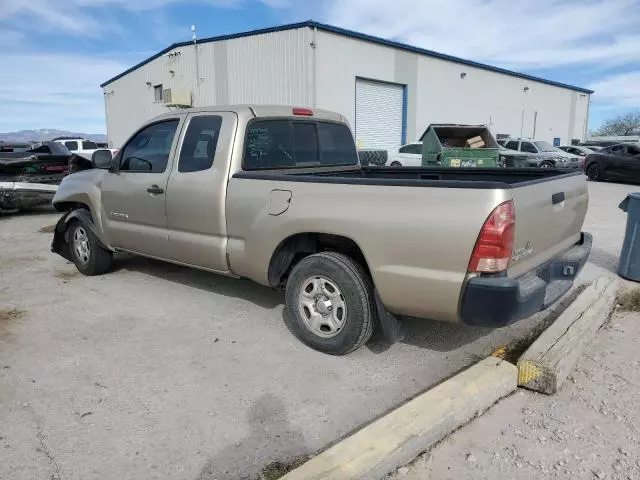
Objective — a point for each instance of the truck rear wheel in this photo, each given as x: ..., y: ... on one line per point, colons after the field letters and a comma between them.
x: 329, y: 303
x: 87, y: 253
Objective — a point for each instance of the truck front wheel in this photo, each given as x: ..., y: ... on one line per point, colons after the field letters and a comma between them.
x: 87, y: 253
x: 329, y: 303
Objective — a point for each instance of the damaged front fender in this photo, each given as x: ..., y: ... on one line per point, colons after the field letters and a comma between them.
x: 60, y: 243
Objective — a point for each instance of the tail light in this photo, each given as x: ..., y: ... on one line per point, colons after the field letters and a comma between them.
x: 495, y: 241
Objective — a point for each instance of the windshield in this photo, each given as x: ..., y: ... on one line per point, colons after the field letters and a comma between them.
x: 545, y: 146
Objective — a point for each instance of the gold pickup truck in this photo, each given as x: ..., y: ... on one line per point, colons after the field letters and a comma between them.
x: 276, y: 194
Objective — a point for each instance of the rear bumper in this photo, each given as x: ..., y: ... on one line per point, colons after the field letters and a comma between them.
x: 15, y: 195
x: 497, y: 302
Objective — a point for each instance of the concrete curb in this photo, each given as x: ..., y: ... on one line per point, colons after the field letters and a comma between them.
x: 398, y: 437
x: 546, y: 364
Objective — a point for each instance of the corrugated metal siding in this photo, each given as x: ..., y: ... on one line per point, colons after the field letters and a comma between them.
x: 270, y: 68
x: 277, y: 67
x: 438, y: 94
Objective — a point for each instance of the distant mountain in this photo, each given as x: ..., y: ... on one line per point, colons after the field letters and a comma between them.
x: 47, y: 134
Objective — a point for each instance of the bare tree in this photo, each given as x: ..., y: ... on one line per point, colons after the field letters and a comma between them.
x: 628, y: 124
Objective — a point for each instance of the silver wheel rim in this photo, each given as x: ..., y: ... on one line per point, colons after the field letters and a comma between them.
x: 81, y: 245
x: 322, y: 306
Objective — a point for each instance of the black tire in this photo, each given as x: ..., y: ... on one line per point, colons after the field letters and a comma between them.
x: 355, y: 288
x: 594, y: 173
x: 546, y: 164
x: 396, y: 164
x: 90, y: 258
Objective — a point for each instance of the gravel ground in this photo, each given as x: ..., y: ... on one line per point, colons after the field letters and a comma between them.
x: 589, y: 430
x: 156, y: 371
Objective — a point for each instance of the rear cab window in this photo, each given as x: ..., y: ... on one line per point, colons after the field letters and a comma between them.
x: 281, y: 143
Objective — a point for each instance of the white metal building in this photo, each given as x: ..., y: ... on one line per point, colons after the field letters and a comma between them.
x: 390, y: 92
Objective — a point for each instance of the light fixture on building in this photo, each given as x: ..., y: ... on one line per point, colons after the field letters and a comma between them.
x: 525, y: 89
x: 148, y: 84
x: 463, y: 75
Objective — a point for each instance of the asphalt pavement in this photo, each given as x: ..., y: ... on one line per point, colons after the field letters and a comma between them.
x: 157, y: 371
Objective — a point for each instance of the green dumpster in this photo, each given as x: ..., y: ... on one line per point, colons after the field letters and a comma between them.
x: 450, y: 145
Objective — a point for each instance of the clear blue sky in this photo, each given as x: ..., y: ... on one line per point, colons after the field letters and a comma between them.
x: 55, y: 53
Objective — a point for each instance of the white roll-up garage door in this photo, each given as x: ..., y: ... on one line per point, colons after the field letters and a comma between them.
x: 379, y: 114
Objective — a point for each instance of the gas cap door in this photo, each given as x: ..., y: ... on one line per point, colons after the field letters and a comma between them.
x: 279, y: 201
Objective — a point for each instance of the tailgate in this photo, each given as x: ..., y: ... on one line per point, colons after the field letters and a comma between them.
x: 549, y: 217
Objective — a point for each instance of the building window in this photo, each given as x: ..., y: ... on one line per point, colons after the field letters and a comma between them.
x: 157, y: 93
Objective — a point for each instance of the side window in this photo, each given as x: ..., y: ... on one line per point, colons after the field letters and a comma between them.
x: 616, y: 149
x: 148, y: 151
x: 414, y: 149
x: 633, y: 150
x: 200, y: 142
x: 158, y: 93
x: 88, y: 145
x: 71, y: 145
x: 512, y: 145
x: 41, y: 149
x: 528, y: 147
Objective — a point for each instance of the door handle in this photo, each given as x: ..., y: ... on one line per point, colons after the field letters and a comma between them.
x: 155, y: 189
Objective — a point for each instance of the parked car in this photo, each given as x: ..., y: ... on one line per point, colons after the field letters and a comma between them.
x: 80, y: 146
x: 621, y: 162
x: 543, y: 153
x: 578, y: 150
x: 409, y: 155
x: 276, y: 194
x: 30, y: 177
x: 514, y: 158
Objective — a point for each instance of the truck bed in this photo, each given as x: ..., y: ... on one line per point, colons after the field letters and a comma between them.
x: 482, y: 178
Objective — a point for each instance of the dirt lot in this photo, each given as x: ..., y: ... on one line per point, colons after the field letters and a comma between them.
x: 156, y: 371
x: 589, y: 430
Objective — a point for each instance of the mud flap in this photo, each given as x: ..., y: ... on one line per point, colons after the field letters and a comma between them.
x: 393, y: 329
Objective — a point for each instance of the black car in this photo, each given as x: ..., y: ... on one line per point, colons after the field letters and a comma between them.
x: 620, y: 162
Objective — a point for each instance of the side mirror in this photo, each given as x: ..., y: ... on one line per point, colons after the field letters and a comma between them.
x: 102, y: 159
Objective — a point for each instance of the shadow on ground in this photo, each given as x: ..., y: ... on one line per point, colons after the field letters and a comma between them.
x: 211, y: 282
x: 432, y: 335
x: 271, y: 441
x: 604, y: 259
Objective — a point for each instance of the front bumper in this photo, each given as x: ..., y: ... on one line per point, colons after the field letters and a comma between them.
x: 16, y: 195
x: 498, y: 301
x: 570, y: 164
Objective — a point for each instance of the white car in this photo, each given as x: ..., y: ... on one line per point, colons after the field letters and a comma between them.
x: 81, y: 146
x: 409, y: 155
x: 577, y: 150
